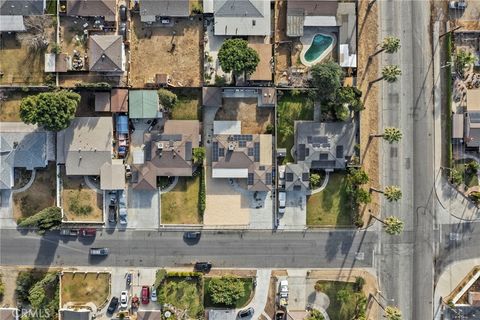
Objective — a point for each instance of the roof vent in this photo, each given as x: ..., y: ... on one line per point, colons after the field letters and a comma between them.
x: 231, y: 147
x: 160, y: 145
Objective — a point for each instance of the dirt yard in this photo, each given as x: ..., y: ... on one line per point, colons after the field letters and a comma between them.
x: 176, y: 51
x: 18, y: 64
x: 366, y: 72
x: 39, y: 196
x: 254, y: 120
x: 9, y: 278
x: 10, y: 106
x: 79, y: 202
x: 71, y: 35
x: 80, y: 288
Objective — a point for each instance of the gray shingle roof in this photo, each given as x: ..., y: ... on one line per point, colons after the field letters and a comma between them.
x: 92, y: 8
x: 242, y: 17
x: 163, y: 8
x: 105, y: 53
x: 11, y: 23
x: 21, y: 7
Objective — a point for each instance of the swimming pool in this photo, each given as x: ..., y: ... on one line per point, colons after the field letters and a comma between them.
x: 321, y: 45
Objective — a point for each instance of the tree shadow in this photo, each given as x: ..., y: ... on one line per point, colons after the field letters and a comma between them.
x: 46, y: 252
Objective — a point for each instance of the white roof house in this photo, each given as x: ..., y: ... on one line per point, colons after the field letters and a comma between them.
x: 12, y: 24
x: 241, y: 17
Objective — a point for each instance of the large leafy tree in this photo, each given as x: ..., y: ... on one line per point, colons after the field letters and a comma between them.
x: 47, y: 219
x: 327, y: 79
x: 226, y: 290
x: 167, y: 98
x: 390, y: 74
x: 51, y: 110
x: 235, y: 55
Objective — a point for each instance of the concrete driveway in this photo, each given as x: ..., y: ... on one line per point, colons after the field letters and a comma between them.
x: 6, y: 209
x: 143, y: 209
x: 295, y: 216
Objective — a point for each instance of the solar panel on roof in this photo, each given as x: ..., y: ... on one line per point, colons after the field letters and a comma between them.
x: 242, y: 144
x: 320, y: 139
x: 305, y: 176
x: 339, y: 153
x: 250, y: 152
x: 301, y: 152
x: 215, y: 151
x: 268, y: 178
x: 250, y: 179
x: 221, y: 152
x: 256, y: 151
x: 323, y: 156
x: 289, y: 176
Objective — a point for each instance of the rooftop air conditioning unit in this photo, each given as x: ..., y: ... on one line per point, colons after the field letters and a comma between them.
x: 231, y: 147
x: 160, y: 145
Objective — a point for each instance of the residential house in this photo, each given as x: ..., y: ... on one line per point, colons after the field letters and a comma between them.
x: 119, y: 100
x: 77, y: 314
x: 9, y: 314
x: 240, y: 17
x: 472, y: 119
x: 243, y: 156
x: 93, y: 8
x: 297, y: 177
x: 85, y: 145
x: 324, y: 145
x: 23, y: 146
x: 152, y: 10
x: 143, y: 104
x: 106, y: 54
x: 12, y: 13
x: 168, y: 153
x: 334, y: 17
x: 458, y: 125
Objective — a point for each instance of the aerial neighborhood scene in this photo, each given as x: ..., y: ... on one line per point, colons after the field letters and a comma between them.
x: 239, y: 159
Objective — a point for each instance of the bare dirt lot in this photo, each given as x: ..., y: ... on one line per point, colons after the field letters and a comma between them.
x: 79, y: 202
x: 176, y: 51
x: 10, y: 106
x: 254, y: 120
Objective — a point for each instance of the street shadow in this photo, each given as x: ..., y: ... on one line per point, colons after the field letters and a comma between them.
x: 338, y: 242
x: 48, y: 247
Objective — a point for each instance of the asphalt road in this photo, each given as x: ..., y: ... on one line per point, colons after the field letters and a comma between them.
x: 156, y: 249
x: 406, y: 268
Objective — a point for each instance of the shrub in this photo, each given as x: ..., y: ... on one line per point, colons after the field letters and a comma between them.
x: 167, y: 98
x: 56, y: 48
x: 226, y: 290
x: 359, y: 283
x: 2, y: 288
x: 183, y: 274
x: 160, y: 275
x: 94, y: 85
x: 47, y: 219
x: 197, y: 8
x: 269, y: 129
x: 198, y: 155
x: 315, y: 180
x: 202, y: 197
x: 220, y: 81
x: 79, y: 209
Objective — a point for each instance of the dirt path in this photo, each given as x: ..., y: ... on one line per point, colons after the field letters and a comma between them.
x: 366, y: 72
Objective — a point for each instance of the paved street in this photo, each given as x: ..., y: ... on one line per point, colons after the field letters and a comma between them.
x: 406, y: 268
x: 156, y: 249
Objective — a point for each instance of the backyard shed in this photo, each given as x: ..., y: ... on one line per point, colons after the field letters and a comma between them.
x: 457, y: 126
x: 212, y: 97
x: 119, y: 100
x: 143, y: 104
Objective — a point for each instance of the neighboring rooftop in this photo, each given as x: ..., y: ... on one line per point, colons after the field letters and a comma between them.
x: 119, y: 100
x: 324, y: 145
x: 12, y: 24
x: 473, y: 99
x: 242, y: 17
x: 143, y: 104
x: 106, y: 53
x: 21, y: 8
x: 151, y: 9
x: 297, y: 177
x: 23, y: 146
x: 102, y: 101
x: 81, y: 314
x: 112, y: 175
x: 86, y: 145
x: 212, y: 96
x: 92, y: 8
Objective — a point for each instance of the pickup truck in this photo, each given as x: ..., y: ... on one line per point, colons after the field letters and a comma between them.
x: 283, y: 293
x: 99, y: 251
x: 88, y: 232
x: 69, y: 232
x: 112, y: 208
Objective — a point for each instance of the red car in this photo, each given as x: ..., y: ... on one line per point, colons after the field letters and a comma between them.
x: 88, y: 232
x: 145, y: 295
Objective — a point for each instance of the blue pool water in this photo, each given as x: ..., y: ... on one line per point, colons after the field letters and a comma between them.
x: 320, y: 43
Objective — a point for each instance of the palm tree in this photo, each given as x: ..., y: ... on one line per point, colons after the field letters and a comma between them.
x: 392, y: 225
x: 393, y: 313
x: 392, y: 193
x: 390, y: 74
x: 390, y: 44
x: 390, y: 134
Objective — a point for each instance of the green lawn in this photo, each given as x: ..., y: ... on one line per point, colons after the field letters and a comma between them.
x: 470, y: 179
x: 242, y: 302
x: 330, y: 207
x: 52, y: 6
x: 180, y: 205
x: 291, y: 108
x: 183, y: 293
x: 338, y: 310
x: 188, y: 106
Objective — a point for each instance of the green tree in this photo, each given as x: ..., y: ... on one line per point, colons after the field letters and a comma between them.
x: 51, y: 110
x: 464, y: 59
x: 389, y: 73
x: 456, y: 177
x: 315, y: 180
x: 393, y: 313
x: 47, y: 219
x: 198, y: 155
x: 362, y: 196
x: 167, y: 98
x: 359, y: 283
x: 343, y: 296
x: 342, y: 112
x: 2, y: 288
x: 350, y: 96
x: 327, y: 79
x: 357, y: 177
x: 390, y: 44
x: 235, y: 55
x: 226, y: 290
x: 315, y: 315
x: 472, y: 167
x: 25, y: 280
x: 390, y: 134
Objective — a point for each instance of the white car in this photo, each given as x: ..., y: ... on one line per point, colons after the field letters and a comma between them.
x: 124, y: 299
x: 284, y: 289
x: 153, y: 294
x: 282, y: 201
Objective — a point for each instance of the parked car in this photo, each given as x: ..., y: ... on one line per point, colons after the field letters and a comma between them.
x: 124, y: 299
x: 122, y: 12
x: 153, y: 294
x: 88, y: 232
x: 129, y: 279
x: 99, y: 251
x: 69, y: 232
x: 123, y: 216
x: 458, y: 5
x: 122, y: 204
x: 284, y: 289
x: 203, y: 266
x: 112, y: 207
x: 112, y: 306
x: 247, y: 313
x: 122, y: 30
x: 282, y: 201
x: 192, y: 235
x: 145, y: 295
x: 281, y: 177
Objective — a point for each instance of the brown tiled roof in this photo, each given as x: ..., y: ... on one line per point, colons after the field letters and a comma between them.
x: 92, y: 8
x: 119, y: 100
